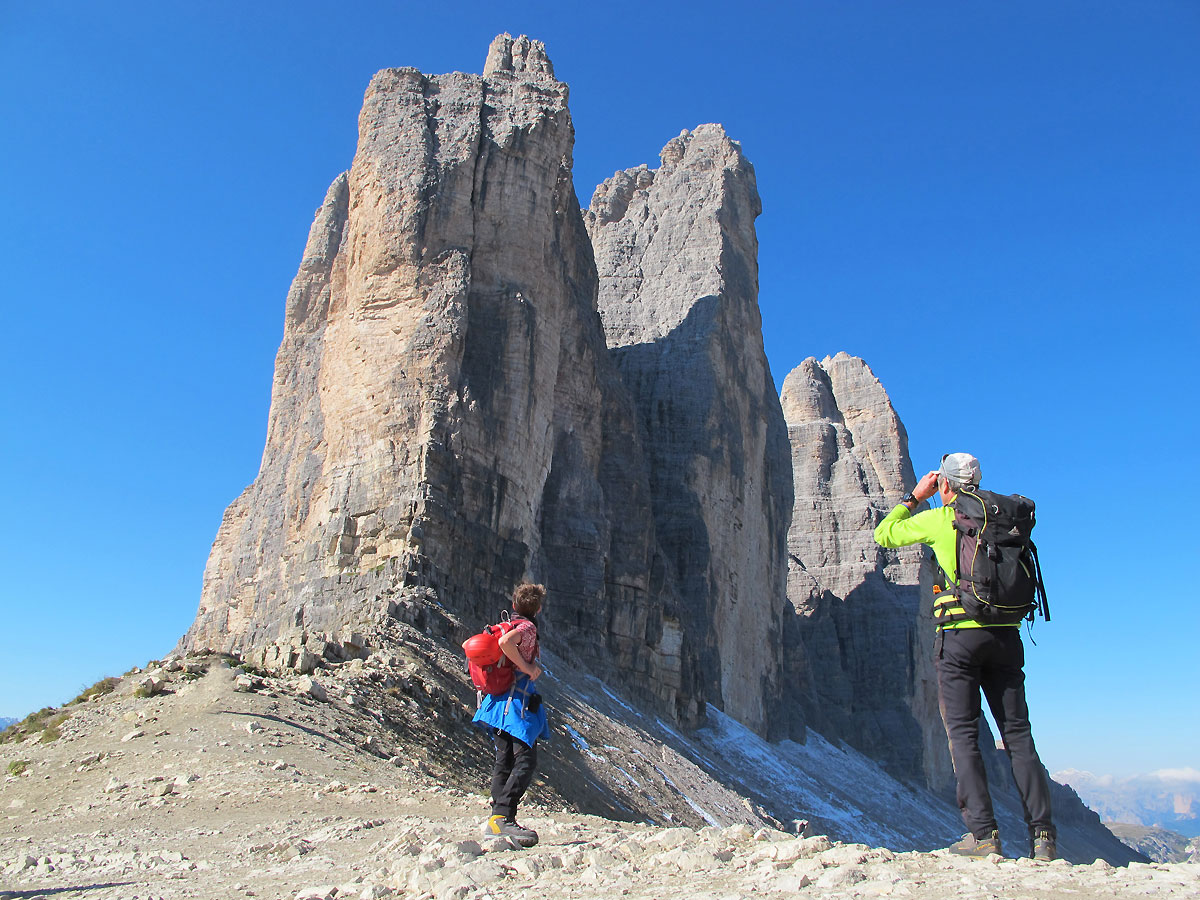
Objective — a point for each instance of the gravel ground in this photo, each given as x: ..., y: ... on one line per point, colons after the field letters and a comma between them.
x: 213, y: 792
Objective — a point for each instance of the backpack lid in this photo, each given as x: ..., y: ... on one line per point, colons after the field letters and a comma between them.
x: 482, y: 649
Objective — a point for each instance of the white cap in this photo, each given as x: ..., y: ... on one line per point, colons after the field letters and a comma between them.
x: 960, y: 469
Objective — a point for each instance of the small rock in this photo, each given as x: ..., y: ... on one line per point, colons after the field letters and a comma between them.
x: 739, y: 833
x: 500, y: 843
x: 136, y: 733
x: 840, y: 876
x: 465, y: 850
x: 318, y: 893
x: 770, y: 834
x: 790, y: 882
x: 253, y: 727
x: 150, y: 686
x: 114, y: 785
x: 313, y: 688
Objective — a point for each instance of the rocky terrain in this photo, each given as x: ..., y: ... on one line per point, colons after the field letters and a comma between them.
x: 201, y: 780
x: 1158, y: 844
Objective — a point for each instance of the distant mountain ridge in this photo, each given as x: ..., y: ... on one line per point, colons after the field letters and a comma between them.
x: 1160, y: 844
x: 1169, y: 798
x: 6, y: 721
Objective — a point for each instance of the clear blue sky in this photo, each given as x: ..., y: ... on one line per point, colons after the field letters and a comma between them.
x: 996, y: 204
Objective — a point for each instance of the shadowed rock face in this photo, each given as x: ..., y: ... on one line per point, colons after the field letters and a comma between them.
x: 859, y: 644
x: 444, y: 412
x: 677, y: 257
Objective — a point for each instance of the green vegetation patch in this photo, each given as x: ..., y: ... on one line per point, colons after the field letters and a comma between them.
x: 17, y: 766
x: 99, y: 689
x: 46, y: 720
x: 50, y: 730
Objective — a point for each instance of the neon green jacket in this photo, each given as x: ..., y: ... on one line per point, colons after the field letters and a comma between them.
x: 934, y: 527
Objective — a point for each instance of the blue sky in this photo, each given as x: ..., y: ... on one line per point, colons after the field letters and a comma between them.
x: 997, y: 205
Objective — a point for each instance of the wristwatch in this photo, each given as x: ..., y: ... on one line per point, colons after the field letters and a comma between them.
x: 909, y: 498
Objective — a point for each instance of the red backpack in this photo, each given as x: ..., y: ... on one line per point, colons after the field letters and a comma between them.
x: 491, y: 671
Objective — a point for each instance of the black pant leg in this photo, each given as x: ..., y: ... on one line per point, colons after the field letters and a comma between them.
x: 1003, y: 681
x: 502, y: 768
x: 958, y: 674
x: 519, y: 779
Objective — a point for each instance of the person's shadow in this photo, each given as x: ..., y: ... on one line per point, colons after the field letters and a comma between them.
x: 50, y: 892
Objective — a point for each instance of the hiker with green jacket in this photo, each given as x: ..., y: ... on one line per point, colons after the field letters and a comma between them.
x: 972, y: 656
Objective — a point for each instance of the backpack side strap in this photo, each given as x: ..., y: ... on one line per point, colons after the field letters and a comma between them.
x: 1041, y: 585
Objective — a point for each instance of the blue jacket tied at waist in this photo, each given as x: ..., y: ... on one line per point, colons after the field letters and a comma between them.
x: 509, y: 712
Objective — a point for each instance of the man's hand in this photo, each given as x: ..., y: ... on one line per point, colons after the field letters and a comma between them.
x: 534, y: 672
x: 926, y: 487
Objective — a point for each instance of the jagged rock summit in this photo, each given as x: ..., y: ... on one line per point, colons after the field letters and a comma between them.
x: 445, y: 419
x: 853, y: 600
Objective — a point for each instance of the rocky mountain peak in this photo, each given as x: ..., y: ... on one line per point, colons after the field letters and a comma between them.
x: 852, y: 600
x: 509, y: 55
x: 807, y: 395
x: 676, y: 253
x: 445, y: 419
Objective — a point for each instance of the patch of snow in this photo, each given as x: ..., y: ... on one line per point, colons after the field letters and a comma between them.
x: 632, y: 780
x: 617, y: 700
x: 577, y: 739
x: 581, y: 743
x: 849, y: 792
x: 700, y: 811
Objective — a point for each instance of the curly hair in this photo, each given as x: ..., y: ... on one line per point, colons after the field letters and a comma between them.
x: 527, y: 599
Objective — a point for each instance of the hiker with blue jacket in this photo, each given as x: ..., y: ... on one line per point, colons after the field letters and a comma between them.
x: 516, y: 718
x: 973, y: 654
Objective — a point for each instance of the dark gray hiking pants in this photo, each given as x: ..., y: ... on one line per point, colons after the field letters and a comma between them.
x: 991, y: 660
x: 512, y: 773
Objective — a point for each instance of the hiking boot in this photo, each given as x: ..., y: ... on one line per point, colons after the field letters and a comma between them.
x: 1044, y: 847
x: 977, y: 848
x: 507, y: 826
